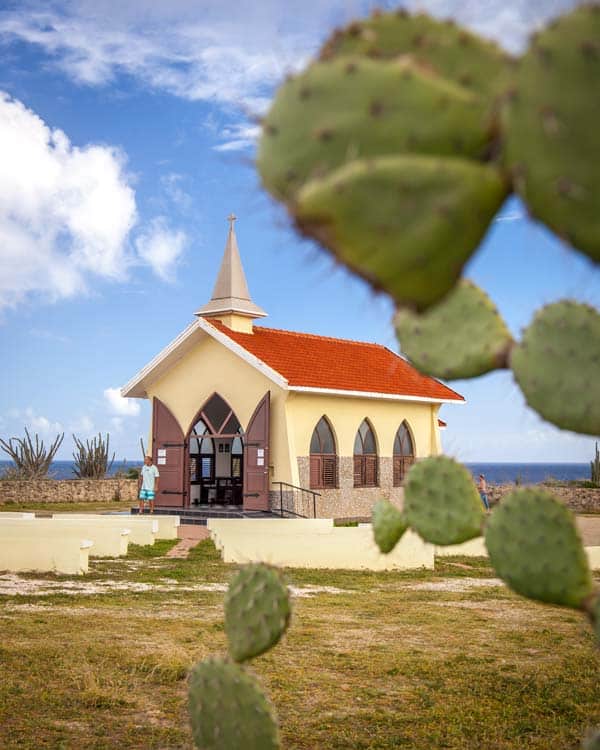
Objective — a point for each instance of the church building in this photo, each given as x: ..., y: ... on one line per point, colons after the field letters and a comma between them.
x: 259, y: 418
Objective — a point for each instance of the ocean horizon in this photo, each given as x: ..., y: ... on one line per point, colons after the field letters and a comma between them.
x: 495, y: 472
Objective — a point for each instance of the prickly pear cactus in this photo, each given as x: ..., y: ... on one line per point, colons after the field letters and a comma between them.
x: 228, y: 710
x: 461, y: 337
x: 442, y: 46
x: 406, y: 224
x: 551, y: 128
x: 535, y: 548
x: 441, y: 503
x: 592, y: 740
x: 356, y: 108
x: 389, y: 524
x: 556, y: 365
x: 257, y: 611
x: 386, y: 153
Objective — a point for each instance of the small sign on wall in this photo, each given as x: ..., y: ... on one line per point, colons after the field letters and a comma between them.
x: 162, y: 460
x: 162, y: 452
x: 260, y: 461
x: 260, y: 452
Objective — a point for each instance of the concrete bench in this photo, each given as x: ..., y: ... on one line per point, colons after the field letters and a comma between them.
x: 15, y: 514
x: 349, y: 548
x: 108, y: 540
x: 167, y: 526
x: 232, y: 528
x: 27, y: 548
x: 143, y: 531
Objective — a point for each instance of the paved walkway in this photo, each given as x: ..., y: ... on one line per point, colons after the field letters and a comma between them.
x: 190, y: 534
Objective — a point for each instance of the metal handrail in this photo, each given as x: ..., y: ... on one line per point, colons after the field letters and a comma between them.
x: 294, y: 488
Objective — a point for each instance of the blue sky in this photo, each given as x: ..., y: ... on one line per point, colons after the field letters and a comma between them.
x: 126, y: 138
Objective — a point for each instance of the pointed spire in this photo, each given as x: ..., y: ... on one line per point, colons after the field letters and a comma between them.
x: 230, y: 295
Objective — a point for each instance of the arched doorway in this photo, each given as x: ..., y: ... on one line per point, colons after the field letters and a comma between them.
x: 216, y: 455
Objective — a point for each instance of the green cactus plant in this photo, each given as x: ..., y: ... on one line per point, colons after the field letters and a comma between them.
x: 257, y: 611
x: 592, y: 740
x: 556, y: 365
x: 406, y: 224
x: 228, y: 710
x: 441, y: 503
x: 535, y: 548
x: 461, y: 337
x: 389, y: 525
x: 595, y: 467
x: 357, y: 108
x: 550, y: 128
x: 442, y: 46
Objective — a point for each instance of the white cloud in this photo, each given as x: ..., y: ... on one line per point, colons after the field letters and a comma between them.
x: 172, y: 185
x: 66, y: 213
x: 238, y: 137
x: 122, y: 407
x: 161, y: 247
x: 37, y: 423
x: 84, y: 425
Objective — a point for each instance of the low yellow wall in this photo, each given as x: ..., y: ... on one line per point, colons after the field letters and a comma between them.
x: 349, y: 548
x: 29, y: 549
x: 143, y: 531
x: 472, y: 548
x: 165, y: 526
x: 108, y: 540
x: 593, y: 555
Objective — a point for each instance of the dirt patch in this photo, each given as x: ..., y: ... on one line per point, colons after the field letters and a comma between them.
x: 13, y: 585
x: 456, y: 585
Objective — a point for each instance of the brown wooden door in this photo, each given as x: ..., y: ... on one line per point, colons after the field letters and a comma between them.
x: 168, y: 454
x: 256, y: 458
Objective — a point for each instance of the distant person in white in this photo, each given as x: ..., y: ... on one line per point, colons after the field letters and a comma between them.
x: 148, y: 484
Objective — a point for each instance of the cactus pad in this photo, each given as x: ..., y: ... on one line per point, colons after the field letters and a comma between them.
x: 389, y: 525
x: 461, y: 337
x: 535, y: 548
x: 441, y: 502
x: 556, y: 365
x: 444, y: 47
x: 406, y: 224
x: 551, y: 128
x: 228, y: 710
x: 358, y: 108
x: 592, y: 740
x: 257, y: 611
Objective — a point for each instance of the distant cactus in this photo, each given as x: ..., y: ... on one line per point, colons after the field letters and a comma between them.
x: 595, y: 467
x: 31, y: 461
x: 91, y: 458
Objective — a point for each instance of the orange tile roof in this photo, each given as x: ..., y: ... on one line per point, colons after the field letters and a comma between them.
x: 304, y: 359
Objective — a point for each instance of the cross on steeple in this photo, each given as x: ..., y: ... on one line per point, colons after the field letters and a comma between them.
x: 231, y: 218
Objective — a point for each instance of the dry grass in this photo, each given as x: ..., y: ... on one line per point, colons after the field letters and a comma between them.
x: 387, y: 663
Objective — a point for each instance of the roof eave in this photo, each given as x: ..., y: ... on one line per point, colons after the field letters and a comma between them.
x: 376, y: 395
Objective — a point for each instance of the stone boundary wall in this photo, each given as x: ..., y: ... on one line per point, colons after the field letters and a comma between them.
x: 577, y: 499
x: 67, y: 490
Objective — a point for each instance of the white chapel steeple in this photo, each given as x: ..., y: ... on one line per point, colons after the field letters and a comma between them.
x: 230, y: 302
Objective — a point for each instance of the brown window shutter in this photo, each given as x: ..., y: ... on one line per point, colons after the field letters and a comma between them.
x: 315, y: 471
x: 358, y: 471
x: 370, y: 472
x: 397, y: 471
x: 329, y: 471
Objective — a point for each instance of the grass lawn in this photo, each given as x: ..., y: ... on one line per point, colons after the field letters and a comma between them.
x: 440, y: 659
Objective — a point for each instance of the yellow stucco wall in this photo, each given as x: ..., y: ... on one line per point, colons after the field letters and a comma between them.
x: 210, y: 367
x: 346, y: 414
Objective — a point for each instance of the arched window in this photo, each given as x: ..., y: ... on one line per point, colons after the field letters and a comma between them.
x: 365, y: 457
x: 323, y: 458
x: 404, y: 453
